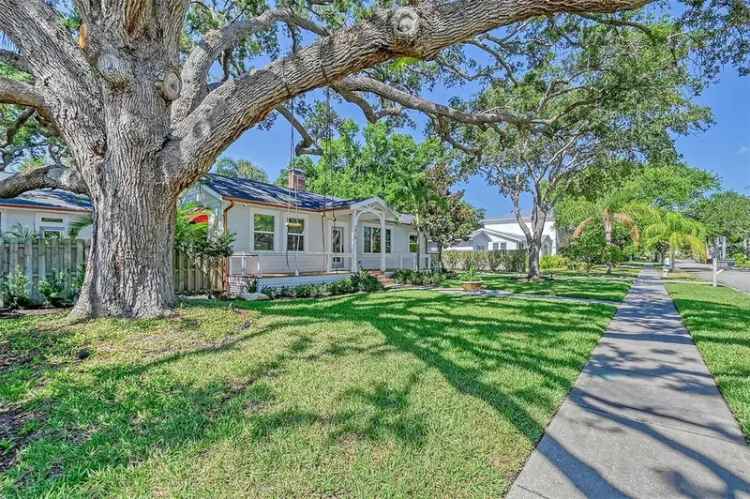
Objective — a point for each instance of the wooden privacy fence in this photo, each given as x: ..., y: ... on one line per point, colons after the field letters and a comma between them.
x: 44, y: 258
x: 195, y: 275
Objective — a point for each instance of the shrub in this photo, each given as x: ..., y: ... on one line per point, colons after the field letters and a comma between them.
x: 363, y: 281
x: 452, y: 259
x: 741, y: 260
x: 16, y: 289
x: 417, y: 278
x: 495, y: 260
x: 54, y: 290
x: 554, y: 262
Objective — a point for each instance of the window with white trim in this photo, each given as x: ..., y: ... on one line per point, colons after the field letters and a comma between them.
x: 413, y: 243
x: 295, y: 234
x: 263, y: 232
x: 372, y: 240
x: 51, y: 227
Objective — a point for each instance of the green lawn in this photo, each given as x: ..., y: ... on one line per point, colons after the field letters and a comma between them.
x: 719, y: 321
x: 412, y: 393
x: 597, y: 286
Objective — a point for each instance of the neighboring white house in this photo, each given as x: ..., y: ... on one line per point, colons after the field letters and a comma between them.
x: 290, y: 232
x: 505, y: 233
x: 47, y: 212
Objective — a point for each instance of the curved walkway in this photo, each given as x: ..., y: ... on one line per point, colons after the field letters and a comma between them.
x: 645, y: 418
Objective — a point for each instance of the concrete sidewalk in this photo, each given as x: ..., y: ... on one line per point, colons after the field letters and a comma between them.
x: 645, y: 418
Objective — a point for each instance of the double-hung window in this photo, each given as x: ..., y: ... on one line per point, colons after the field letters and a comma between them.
x: 263, y: 232
x: 413, y: 243
x: 295, y: 234
x: 372, y: 240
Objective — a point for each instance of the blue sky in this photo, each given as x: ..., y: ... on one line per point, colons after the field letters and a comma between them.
x: 724, y: 148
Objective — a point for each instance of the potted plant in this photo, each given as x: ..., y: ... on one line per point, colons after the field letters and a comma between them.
x: 471, y: 280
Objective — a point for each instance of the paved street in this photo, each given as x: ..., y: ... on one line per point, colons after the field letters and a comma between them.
x: 737, y: 279
x: 644, y: 420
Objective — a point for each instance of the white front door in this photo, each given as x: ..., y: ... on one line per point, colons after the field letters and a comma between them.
x: 337, y: 246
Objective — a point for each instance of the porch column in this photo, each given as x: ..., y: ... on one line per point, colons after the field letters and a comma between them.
x: 382, y: 242
x: 355, y: 230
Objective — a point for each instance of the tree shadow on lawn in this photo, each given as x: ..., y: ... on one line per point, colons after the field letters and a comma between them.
x: 574, y: 287
x: 113, y: 416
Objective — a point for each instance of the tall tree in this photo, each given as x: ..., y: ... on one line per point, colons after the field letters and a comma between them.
x: 625, y: 193
x: 611, y: 97
x: 240, y: 168
x: 141, y: 123
x: 726, y: 214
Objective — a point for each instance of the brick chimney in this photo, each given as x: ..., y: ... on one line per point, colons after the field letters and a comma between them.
x: 296, y: 179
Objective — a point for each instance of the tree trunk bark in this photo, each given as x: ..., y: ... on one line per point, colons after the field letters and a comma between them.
x: 534, y: 268
x: 129, y: 270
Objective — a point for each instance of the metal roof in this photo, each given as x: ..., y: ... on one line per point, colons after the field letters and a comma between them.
x: 262, y: 192
x: 54, y: 199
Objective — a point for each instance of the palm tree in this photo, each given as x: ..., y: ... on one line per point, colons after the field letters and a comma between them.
x: 609, y: 212
x: 676, y: 232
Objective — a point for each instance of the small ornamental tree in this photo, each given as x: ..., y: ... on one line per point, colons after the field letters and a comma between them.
x: 446, y: 217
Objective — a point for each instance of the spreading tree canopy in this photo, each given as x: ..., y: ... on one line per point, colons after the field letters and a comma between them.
x: 146, y: 94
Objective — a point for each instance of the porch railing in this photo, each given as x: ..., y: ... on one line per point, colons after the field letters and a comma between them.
x: 257, y: 263
x: 288, y: 263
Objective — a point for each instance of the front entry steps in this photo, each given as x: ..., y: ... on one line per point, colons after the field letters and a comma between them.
x: 384, y: 278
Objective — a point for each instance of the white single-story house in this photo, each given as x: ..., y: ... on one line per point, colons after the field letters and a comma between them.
x: 504, y: 233
x: 280, y: 232
x: 46, y: 212
x: 289, y: 232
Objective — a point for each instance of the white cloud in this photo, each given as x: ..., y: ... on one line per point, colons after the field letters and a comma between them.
x: 743, y: 150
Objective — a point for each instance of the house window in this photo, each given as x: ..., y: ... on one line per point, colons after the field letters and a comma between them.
x: 372, y: 240
x: 263, y: 232
x: 52, y: 233
x: 495, y: 246
x: 413, y: 243
x: 51, y: 227
x: 503, y: 246
x: 295, y: 234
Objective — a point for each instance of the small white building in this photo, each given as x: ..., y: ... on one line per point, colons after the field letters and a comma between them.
x: 504, y: 233
x: 45, y: 212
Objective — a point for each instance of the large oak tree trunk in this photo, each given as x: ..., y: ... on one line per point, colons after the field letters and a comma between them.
x: 133, y: 191
x: 130, y: 266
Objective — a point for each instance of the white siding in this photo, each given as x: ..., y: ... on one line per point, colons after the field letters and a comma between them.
x: 514, y: 228
x: 31, y: 219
